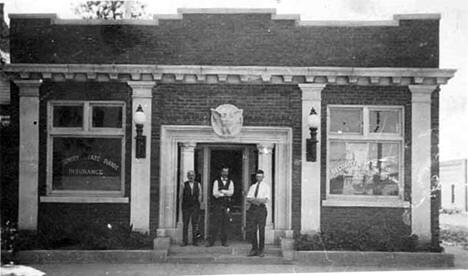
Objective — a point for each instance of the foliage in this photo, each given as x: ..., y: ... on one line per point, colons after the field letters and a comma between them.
x: 81, y: 236
x: 358, y: 240
x: 457, y: 236
x: 111, y: 9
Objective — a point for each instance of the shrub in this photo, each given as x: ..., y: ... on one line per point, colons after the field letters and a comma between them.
x: 82, y: 236
x: 357, y: 240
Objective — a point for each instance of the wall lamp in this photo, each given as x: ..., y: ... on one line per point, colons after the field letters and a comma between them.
x: 140, y: 118
x: 313, y: 122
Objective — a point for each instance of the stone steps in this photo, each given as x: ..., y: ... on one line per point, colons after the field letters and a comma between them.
x: 235, y: 254
x: 236, y: 250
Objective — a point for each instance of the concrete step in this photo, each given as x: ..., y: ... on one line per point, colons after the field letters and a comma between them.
x: 235, y: 249
x: 225, y: 259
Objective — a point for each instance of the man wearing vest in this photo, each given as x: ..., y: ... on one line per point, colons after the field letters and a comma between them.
x: 191, y: 200
x: 257, y: 197
x: 223, y: 188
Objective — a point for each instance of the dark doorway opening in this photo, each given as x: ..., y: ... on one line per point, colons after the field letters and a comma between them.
x: 232, y: 159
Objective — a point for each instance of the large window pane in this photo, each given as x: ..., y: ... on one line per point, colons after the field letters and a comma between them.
x: 68, y: 116
x: 384, y: 121
x: 107, y: 116
x: 346, y: 120
x: 359, y: 168
x: 87, y: 164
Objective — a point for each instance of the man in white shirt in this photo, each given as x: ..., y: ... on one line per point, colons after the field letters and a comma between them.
x: 191, y: 196
x: 223, y: 188
x: 257, y: 197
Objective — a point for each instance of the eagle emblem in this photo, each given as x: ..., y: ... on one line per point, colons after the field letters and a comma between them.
x: 227, y: 120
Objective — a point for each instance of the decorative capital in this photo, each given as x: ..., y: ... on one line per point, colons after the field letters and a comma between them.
x: 28, y: 88
x: 312, y: 91
x: 188, y: 146
x: 421, y: 93
x: 141, y: 89
x: 265, y: 148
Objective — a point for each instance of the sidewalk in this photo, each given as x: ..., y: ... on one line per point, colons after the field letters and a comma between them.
x: 168, y: 269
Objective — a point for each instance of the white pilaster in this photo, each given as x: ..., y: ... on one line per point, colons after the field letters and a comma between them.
x: 421, y: 160
x: 265, y: 163
x: 187, y: 163
x: 28, y: 153
x: 311, y: 175
x: 141, y: 168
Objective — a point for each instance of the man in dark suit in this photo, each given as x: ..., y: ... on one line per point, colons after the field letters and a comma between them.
x: 223, y: 188
x: 191, y: 200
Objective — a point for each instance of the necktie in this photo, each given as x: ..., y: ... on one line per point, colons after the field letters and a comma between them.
x: 256, y: 189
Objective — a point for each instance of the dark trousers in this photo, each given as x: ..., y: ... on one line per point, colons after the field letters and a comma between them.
x: 190, y: 213
x: 256, y: 219
x: 219, y: 223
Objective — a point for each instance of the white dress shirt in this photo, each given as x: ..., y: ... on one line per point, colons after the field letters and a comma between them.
x: 217, y: 193
x: 263, y: 191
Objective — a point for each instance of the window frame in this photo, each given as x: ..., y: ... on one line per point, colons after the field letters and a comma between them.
x: 87, y: 131
x: 367, y: 137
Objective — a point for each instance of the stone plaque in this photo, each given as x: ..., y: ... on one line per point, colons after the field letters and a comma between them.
x: 227, y: 120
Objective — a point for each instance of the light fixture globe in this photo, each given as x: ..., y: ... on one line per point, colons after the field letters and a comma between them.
x: 139, y: 118
x: 313, y: 121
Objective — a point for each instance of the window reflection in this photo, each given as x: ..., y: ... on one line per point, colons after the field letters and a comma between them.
x: 364, y: 168
x: 68, y: 116
x: 107, y: 116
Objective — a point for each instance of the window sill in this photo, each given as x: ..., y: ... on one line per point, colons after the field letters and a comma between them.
x: 359, y: 202
x: 83, y: 199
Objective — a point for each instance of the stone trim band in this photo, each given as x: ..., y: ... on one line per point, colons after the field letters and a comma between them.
x: 230, y: 74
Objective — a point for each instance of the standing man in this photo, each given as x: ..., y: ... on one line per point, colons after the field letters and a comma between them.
x: 257, y: 197
x: 223, y: 188
x: 191, y: 200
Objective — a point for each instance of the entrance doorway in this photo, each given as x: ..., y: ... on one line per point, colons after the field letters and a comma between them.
x: 242, y: 161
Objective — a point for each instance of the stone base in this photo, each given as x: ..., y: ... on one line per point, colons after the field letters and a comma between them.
x: 287, y: 248
x: 269, y: 235
x: 162, y: 243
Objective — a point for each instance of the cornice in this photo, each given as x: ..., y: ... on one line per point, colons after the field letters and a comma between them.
x: 229, y: 74
x: 54, y: 19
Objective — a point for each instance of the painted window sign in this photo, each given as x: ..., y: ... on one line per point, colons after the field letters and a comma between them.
x: 86, y: 163
x: 364, y: 168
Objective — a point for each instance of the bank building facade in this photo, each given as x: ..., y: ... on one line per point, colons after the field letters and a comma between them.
x: 341, y: 116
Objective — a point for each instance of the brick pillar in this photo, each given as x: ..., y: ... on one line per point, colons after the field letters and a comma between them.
x: 421, y: 161
x: 141, y: 169
x: 311, y: 173
x: 28, y: 153
x: 265, y: 163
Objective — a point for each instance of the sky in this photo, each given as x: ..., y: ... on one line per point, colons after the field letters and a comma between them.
x: 453, y: 40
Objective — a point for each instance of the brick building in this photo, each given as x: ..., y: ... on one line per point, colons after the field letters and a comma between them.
x: 454, y: 185
x: 76, y: 85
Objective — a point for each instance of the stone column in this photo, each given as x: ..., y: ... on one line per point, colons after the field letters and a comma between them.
x: 421, y: 160
x: 311, y: 173
x: 265, y: 163
x: 28, y: 153
x: 141, y: 169
x: 187, y: 163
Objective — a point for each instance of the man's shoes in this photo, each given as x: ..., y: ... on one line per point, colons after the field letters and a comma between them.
x: 224, y: 244
x: 210, y: 244
x: 252, y: 253
x: 184, y: 244
x: 260, y: 253
x: 195, y: 244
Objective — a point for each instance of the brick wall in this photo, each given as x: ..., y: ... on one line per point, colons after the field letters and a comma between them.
x: 86, y: 213
x: 263, y: 105
x: 227, y: 39
x: 362, y: 218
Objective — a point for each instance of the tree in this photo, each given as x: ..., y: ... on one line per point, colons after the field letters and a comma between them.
x: 111, y: 9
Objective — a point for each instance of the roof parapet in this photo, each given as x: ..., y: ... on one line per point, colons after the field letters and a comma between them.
x: 180, y: 14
